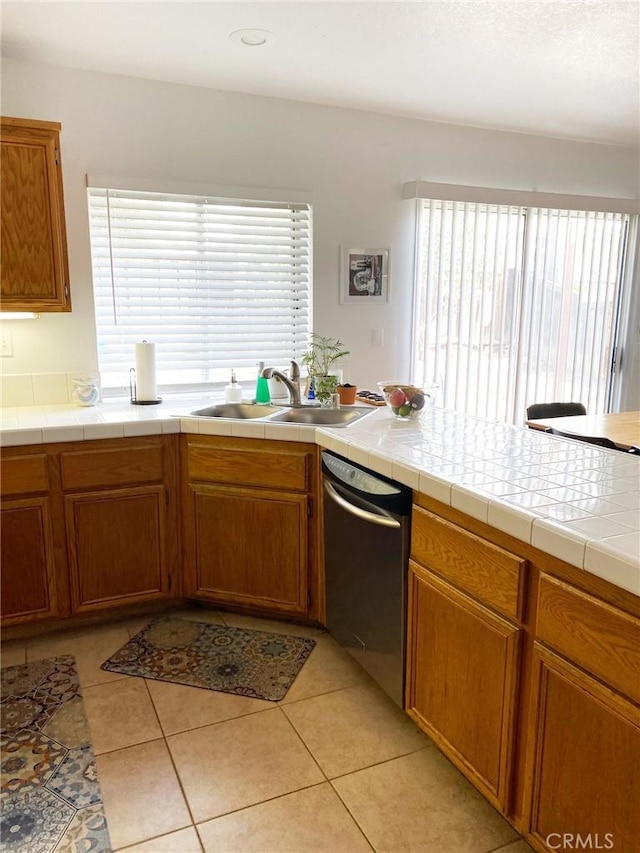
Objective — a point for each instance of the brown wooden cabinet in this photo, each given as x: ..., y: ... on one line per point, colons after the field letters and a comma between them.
x: 525, y: 671
x: 585, y: 760
x: 88, y: 526
x: 29, y: 580
x: 35, y: 270
x: 249, y: 529
x: 583, y: 763
x: 121, y: 521
x: 463, y: 678
x: 463, y: 655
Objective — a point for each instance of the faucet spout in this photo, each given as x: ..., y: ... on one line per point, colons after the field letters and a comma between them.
x: 292, y: 385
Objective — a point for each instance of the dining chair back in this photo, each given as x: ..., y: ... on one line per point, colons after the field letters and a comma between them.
x: 554, y: 410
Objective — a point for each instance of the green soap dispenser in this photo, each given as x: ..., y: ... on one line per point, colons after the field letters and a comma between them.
x: 262, y: 387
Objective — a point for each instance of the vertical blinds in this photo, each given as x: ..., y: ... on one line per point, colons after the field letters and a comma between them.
x: 215, y: 283
x: 516, y: 305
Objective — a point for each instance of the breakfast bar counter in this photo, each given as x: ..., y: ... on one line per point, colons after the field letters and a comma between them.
x: 577, y: 502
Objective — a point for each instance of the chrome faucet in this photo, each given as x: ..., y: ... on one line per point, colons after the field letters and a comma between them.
x: 292, y: 383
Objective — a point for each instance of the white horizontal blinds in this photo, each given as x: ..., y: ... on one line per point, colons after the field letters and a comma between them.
x: 515, y: 305
x: 573, y: 263
x: 465, y: 319
x: 215, y: 283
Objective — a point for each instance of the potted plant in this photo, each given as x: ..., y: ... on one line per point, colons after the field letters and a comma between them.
x: 319, y: 360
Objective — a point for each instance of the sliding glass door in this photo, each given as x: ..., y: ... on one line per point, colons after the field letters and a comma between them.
x: 516, y: 305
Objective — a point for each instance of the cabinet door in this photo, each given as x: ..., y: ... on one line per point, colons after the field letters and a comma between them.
x: 249, y: 547
x: 461, y: 680
x: 583, y: 759
x: 34, y: 251
x: 116, y: 542
x: 27, y: 581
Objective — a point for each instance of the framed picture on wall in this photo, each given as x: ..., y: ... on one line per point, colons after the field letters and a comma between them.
x: 364, y: 275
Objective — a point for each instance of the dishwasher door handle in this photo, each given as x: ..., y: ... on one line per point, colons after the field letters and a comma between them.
x: 365, y: 515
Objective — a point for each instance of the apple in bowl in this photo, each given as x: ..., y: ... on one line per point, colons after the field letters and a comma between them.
x: 405, y: 401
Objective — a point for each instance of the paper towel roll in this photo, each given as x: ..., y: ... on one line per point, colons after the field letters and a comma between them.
x: 146, y: 388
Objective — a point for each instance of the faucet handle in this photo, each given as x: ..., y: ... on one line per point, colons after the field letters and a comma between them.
x: 294, y: 373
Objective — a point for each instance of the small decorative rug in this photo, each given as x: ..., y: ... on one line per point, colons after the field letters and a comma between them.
x: 50, y: 797
x: 232, y: 660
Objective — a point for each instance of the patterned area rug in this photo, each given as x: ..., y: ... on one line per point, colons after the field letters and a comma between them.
x: 199, y: 654
x: 50, y: 797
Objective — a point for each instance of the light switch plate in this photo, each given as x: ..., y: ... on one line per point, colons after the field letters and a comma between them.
x: 6, y: 343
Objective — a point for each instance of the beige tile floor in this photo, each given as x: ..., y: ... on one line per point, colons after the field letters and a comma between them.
x: 334, y: 767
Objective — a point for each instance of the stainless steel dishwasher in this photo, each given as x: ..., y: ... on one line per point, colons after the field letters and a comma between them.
x: 366, y: 545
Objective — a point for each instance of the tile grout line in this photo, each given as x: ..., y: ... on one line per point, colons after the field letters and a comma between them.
x: 301, y: 739
x: 351, y: 815
x: 173, y: 764
x: 329, y: 781
x: 384, y: 761
x: 155, y: 838
x: 283, y: 704
x: 251, y: 805
x: 261, y: 802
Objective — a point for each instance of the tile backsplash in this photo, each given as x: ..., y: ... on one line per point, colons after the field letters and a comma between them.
x: 36, y: 389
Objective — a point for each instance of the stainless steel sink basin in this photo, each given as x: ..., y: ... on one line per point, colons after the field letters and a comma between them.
x: 241, y: 411
x: 321, y: 417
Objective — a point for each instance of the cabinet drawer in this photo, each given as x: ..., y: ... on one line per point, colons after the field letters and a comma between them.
x: 474, y: 565
x: 24, y: 474
x: 84, y: 469
x: 595, y: 635
x: 251, y: 467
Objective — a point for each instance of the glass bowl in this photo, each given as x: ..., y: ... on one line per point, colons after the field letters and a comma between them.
x: 404, y: 401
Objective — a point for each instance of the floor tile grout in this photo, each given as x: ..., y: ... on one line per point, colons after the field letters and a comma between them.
x: 170, y: 754
x: 353, y: 817
x: 283, y: 704
x: 380, y: 763
x: 302, y: 741
x: 262, y: 802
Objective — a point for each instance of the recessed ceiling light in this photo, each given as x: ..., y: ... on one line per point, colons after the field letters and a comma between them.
x: 252, y: 38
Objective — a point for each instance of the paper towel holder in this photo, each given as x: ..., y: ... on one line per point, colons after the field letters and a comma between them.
x: 133, y: 397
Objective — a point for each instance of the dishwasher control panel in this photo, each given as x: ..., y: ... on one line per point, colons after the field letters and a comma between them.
x: 355, y: 477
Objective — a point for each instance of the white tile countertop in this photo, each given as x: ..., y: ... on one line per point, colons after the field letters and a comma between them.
x: 572, y: 500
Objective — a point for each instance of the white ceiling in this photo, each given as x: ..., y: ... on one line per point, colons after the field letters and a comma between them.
x: 566, y: 68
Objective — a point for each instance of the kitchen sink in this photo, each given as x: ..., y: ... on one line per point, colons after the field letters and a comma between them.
x: 241, y: 411
x: 321, y: 417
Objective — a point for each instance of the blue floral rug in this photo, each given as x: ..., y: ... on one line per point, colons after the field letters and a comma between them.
x: 50, y: 797
x: 233, y: 660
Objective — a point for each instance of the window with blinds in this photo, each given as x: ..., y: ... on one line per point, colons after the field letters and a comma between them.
x: 214, y: 283
x: 517, y: 305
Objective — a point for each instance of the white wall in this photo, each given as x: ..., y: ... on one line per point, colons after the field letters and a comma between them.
x: 353, y: 162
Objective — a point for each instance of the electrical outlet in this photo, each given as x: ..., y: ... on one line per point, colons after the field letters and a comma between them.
x: 6, y: 343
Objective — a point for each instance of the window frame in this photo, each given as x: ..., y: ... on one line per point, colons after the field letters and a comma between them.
x: 286, y: 339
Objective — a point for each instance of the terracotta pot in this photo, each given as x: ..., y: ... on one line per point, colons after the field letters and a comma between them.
x: 347, y: 394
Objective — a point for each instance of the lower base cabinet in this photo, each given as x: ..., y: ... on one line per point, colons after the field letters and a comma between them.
x: 585, y: 761
x: 526, y: 673
x: 116, y: 546
x: 249, y: 513
x: 28, y: 583
x: 463, y: 665
x: 87, y: 527
x: 251, y: 549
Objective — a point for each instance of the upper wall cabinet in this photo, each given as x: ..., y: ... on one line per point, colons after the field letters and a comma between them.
x: 35, y: 270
